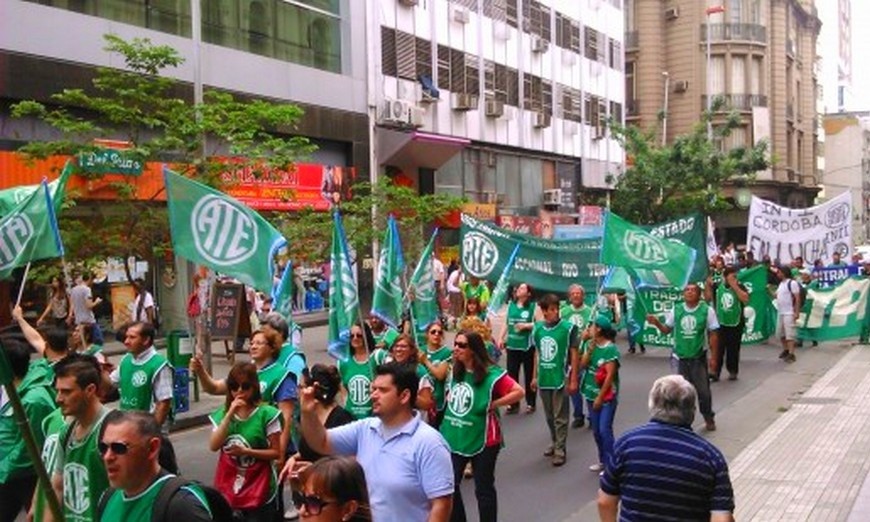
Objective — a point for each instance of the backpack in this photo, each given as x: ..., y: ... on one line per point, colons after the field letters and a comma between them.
x: 220, y: 508
x: 803, y: 293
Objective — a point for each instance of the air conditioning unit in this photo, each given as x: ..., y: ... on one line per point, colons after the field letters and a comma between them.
x: 539, y: 45
x: 672, y: 13
x: 494, y: 108
x: 415, y: 117
x: 396, y: 112
x: 409, y: 3
x: 460, y: 14
x: 552, y: 197
x: 681, y: 85
x: 599, y: 131
x: 541, y: 120
x: 464, y: 101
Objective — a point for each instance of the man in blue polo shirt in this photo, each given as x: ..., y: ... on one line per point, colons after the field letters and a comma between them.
x: 406, y: 462
x: 663, y: 469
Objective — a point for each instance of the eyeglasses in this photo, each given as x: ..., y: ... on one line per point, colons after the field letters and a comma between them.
x: 313, y: 504
x: 118, y: 448
x: 435, y: 331
x: 460, y: 344
x: 401, y: 345
x: 356, y: 335
x: 244, y: 386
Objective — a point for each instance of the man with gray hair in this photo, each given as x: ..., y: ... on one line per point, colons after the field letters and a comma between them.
x: 663, y: 469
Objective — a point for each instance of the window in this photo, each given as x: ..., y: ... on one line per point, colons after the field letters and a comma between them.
x: 511, y: 13
x: 567, y: 33
x: 755, y: 76
x: 538, y: 94
x: 615, y: 54
x: 457, y: 71
x: 500, y: 83
x: 570, y: 100
x: 738, y: 74
x: 616, y: 112
x: 536, y: 19
x: 591, y: 43
x: 717, y: 66
x: 735, y: 11
x: 630, y: 15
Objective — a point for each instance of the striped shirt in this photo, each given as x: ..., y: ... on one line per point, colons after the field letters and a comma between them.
x: 666, y: 472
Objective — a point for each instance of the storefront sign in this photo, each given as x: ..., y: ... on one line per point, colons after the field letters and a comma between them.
x: 306, y: 185
x: 484, y: 211
x: 110, y: 161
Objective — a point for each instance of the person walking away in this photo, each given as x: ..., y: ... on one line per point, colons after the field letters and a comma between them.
x: 577, y: 313
x: 58, y: 308
x: 83, y: 304
x: 516, y: 340
x: 557, y: 342
x: 663, y: 470
x: 729, y: 297
x: 471, y: 425
x: 601, y: 385
x: 693, y: 322
x: 788, y: 306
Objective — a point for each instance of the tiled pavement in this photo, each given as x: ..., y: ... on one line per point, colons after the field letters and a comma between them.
x: 811, y: 464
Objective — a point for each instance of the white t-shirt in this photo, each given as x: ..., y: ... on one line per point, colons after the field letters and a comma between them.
x: 438, y: 269
x: 787, y: 290
x: 453, y: 282
x: 147, y: 303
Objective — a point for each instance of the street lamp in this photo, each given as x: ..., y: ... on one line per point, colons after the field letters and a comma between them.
x: 665, y: 112
x: 710, y: 11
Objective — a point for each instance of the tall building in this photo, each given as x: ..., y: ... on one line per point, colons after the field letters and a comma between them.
x: 762, y: 61
x: 835, y: 45
x: 847, y: 164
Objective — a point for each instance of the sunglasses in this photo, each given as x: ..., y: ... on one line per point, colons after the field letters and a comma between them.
x: 460, y: 344
x: 244, y: 386
x: 356, y: 336
x: 313, y: 504
x: 436, y: 331
x: 402, y: 345
x: 118, y: 448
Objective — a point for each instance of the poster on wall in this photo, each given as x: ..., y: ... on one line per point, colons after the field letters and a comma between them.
x: 306, y: 185
x: 813, y: 233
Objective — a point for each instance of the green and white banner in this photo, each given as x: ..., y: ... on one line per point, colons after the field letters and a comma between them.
x: 836, y: 312
x: 546, y: 264
x: 691, y: 231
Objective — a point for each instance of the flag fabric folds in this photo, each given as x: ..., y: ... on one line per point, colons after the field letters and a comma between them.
x: 12, y: 197
x: 499, y: 296
x: 282, y: 294
x: 424, y: 305
x: 653, y: 261
x: 836, y: 312
x: 388, y: 295
x: 213, y: 229
x: 28, y: 232
x: 343, y: 296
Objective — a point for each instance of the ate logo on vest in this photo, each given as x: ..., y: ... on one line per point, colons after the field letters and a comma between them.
x: 15, y: 234
x: 688, y: 325
x: 644, y: 248
x: 75, y: 488
x: 479, y: 254
x: 139, y: 378
x: 358, y: 389
x: 461, y: 398
x: 727, y: 301
x: 223, y: 232
x: 548, y: 349
x: 242, y: 461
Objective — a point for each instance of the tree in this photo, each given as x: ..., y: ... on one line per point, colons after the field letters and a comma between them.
x: 664, y: 182
x: 141, y: 106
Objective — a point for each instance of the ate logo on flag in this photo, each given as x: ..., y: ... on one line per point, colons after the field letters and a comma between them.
x: 644, y: 248
x: 223, y: 232
x: 479, y: 254
x: 14, y: 235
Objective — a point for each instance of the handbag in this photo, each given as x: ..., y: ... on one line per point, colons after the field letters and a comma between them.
x: 244, y: 487
x: 600, y: 377
x: 194, y: 308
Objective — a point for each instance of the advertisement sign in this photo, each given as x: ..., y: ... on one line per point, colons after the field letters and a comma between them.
x: 307, y: 185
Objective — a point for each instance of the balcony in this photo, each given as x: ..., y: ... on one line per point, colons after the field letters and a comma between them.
x: 631, y: 40
x: 632, y: 108
x: 735, y: 32
x: 737, y: 102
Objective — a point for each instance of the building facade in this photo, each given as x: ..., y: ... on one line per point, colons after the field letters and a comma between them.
x: 762, y: 61
x: 835, y: 45
x: 847, y: 166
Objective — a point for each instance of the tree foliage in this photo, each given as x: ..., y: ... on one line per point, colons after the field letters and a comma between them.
x: 686, y: 176
x: 142, y: 106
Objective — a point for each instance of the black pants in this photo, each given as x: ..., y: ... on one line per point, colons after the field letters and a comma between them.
x: 695, y: 371
x: 483, y: 465
x: 15, y: 496
x: 729, y: 349
x: 526, y: 359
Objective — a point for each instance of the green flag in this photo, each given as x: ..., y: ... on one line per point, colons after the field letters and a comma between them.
x: 835, y: 312
x: 654, y: 261
x: 690, y: 231
x: 343, y: 296
x: 387, y: 301
x: 12, y: 197
x: 215, y: 230
x: 424, y: 306
x: 759, y: 314
x: 29, y: 232
x: 498, y: 297
x: 282, y: 294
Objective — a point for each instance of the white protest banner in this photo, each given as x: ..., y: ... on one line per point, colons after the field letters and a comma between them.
x: 812, y: 233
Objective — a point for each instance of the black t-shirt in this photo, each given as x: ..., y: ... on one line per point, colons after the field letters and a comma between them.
x: 337, y: 417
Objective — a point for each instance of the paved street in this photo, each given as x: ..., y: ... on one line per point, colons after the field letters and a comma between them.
x: 531, y: 489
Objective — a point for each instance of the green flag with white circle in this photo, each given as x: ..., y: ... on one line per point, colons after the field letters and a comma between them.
x: 29, y: 232
x: 213, y: 229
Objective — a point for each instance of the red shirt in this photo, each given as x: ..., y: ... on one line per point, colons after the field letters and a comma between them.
x: 493, y: 427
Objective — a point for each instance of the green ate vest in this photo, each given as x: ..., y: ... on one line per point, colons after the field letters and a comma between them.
x: 386, y: 338
x: 357, y: 377
x: 552, y: 345
x: 729, y: 309
x: 519, y: 314
x: 380, y: 356
x: 51, y: 427
x: 689, y: 330
x: 84, y: 474
x: 579, y: 317
x: 250, y: 433
x: 138, y: 508
x: 137, y: 382
x: 467, y: 413
x: 439, y: 356
x: 271, y: 376
x: 601, y: 355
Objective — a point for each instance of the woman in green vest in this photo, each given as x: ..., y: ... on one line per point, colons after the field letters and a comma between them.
x: 516, y: 339
x: 601, y: 386
x: 357, y: 374
x: 477, y: 388
x: 248, y: 435
x: 405, y: 352
x: 436, y: 359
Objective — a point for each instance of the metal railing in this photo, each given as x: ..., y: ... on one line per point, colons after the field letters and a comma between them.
x: 735, y: 32
x: 631, y: 40
x: 737, y: 102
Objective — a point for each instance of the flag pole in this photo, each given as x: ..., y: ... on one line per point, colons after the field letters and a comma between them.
x: 23, y: 281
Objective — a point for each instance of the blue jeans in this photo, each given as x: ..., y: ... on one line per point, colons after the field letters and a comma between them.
x: 577, y: 400
x: 602, y: 427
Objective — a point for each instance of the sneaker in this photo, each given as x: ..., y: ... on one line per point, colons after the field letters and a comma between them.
x: 512, y: 410
x: 558, y: 460
x: 530, y: 410
x: 292, y: 513
x: 597, y: 467
x: 578, y: 422
x: 549, y: 452
x: 468, y: 472
x: 631, y: 350
x: 710, y: 425
x: 732, y: 376
x: 714, y: 378
x: 783, y: 354
x: 642, y: 348
x: 790, y: 358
